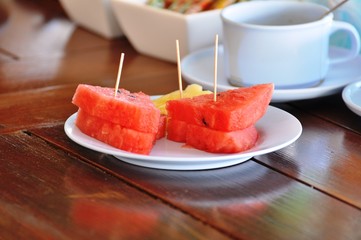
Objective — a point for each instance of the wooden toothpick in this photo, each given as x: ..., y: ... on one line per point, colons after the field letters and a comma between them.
x: 215, y: 69
x: 119, y: 74
x: 179, y: 70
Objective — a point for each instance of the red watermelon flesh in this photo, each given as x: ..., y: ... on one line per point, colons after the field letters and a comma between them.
x: 176, y: 130
x: 162, y: 127
x: 234, y: 109
x: 130, y: 110
x: 210, y: 140
x: 214, y: 141
x: 115, y: 135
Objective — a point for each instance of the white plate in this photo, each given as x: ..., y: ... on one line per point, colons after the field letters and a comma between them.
x: 277, y: 129
x: 198, y: 67
x: 352, y: 97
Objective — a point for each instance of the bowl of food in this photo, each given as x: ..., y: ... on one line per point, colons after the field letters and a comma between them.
x: 94, y: 15
x: 153, y: 30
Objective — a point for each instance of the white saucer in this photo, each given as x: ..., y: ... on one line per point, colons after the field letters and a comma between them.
x: 198, y: 67
x: 352, y: 97
x: 277, y: 129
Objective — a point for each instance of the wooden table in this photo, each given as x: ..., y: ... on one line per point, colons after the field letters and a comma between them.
x: 52, y: 188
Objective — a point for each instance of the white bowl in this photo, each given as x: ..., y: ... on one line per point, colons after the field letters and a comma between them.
x: 94, y: 15
x: 153, y: 31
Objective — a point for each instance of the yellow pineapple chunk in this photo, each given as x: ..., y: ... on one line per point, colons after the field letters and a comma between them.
x: 190, y: 91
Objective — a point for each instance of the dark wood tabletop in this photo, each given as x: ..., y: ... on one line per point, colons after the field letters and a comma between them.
x: 53, y: 188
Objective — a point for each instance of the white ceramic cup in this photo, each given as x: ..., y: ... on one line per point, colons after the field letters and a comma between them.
x: 283, y: 42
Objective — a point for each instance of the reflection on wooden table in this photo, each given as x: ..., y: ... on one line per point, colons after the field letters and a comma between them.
x: 52, y: 188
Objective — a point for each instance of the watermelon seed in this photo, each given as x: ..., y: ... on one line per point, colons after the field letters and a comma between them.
x: 204, y: 122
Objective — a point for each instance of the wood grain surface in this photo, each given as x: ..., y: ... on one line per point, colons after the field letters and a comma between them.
x: 53, y: 188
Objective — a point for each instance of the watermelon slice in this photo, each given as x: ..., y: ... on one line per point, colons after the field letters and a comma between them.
x: 234, y: 109
x: 210, y: 140
x: 215, y: 141
x: 115, y: 135
x: 162, y: 128
x: 176, y: 130
x: 129, y: 110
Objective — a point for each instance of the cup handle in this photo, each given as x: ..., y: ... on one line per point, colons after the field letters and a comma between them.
x: 355, y: 41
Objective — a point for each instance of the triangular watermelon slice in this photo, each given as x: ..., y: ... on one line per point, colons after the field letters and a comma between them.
x: 115, y: 135
x: 210, y: 140
x: 130, y: 110
x: 234, y: 109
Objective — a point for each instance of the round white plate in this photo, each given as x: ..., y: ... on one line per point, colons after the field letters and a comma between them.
x: 198, y: 67
x: 351, y: 95
x: 277, y: 129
